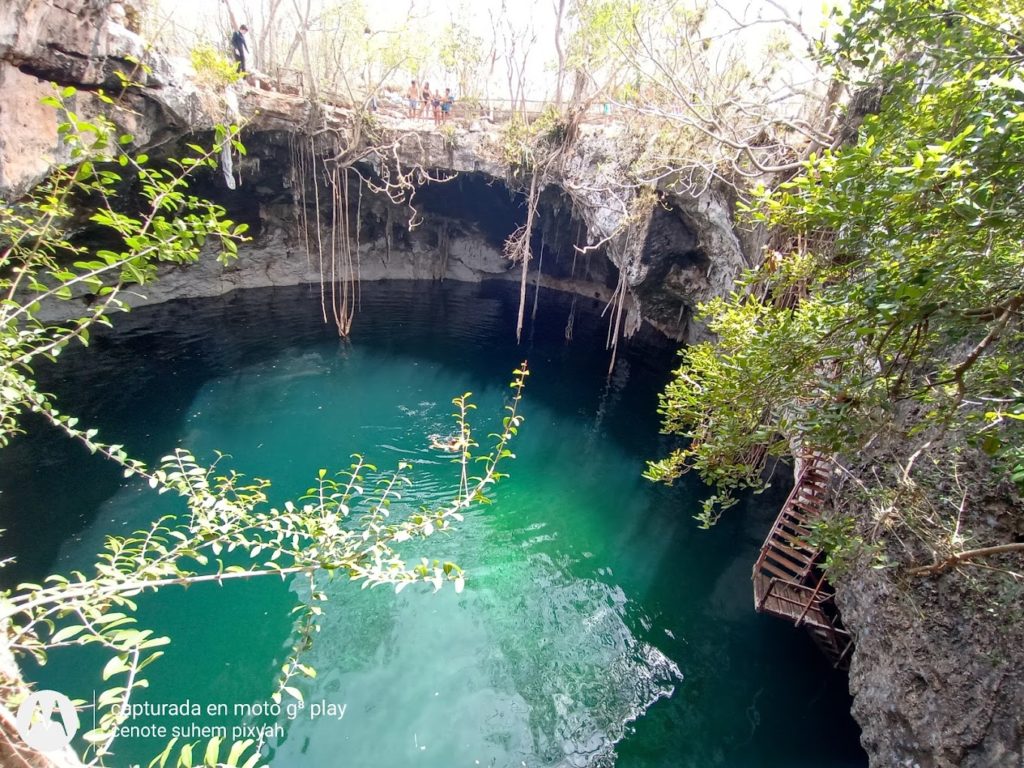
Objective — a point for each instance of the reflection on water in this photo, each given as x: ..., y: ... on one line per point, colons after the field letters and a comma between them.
x: 598, y: 626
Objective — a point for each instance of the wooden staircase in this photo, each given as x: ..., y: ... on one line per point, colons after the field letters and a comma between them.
x: 788, y: 580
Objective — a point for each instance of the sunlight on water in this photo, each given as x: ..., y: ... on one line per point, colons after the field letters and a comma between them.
x: 598, y: 627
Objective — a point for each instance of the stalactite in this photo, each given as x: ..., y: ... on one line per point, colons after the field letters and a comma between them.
x: 523, y: 248
x: 556, y: 239
x: 359, y: 231
x: 335, y: 213
x: 319, y: 239
x: 346, y: 308
x: 518, y: 245
x: 443, y: 248
x: 388, y: 234
x: 227, y: 164
x: 536, y: 282
x: 615, y: 325
x: 300, y: 170
x: 571, y: 320
x: 343, y: 266
x: 617, y: 301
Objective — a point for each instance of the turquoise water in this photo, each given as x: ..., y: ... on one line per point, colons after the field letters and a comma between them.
x: 598, y: 625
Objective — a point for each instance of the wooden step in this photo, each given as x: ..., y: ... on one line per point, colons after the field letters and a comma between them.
x: 770, y: 568
x: 799, y: 553
x: 795, y: 540
x: 811, y: 492
x: 794, y: 524
x: 810, y: 489
x: 792, y: 570
x: 797, y: 508
x: 794, y: 562
x: 794, y: 528
x: 792, y: 517
x: 806, y: 505
x: 818, y: 489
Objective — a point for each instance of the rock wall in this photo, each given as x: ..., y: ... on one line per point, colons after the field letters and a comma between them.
x: 684, y: 252
x: 86, y: 44
x: 937, y: 677
x: 675, y: 251
x: 681, y: 252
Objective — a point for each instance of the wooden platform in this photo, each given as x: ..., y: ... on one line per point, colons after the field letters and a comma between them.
x: 788, y: 580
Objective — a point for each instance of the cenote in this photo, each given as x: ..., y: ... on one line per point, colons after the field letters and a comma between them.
x: 598, y: 626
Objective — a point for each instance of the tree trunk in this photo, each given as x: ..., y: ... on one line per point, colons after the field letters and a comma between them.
x: 268, y: 36
x: 304, y: 42
x: 560, y: 12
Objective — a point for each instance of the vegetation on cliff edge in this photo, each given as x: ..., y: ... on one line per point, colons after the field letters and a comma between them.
x: 886, y: 323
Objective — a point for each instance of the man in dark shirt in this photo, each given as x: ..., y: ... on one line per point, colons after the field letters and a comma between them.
x: 239, y: 46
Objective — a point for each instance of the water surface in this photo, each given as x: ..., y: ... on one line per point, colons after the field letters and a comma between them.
x: 598, y: 625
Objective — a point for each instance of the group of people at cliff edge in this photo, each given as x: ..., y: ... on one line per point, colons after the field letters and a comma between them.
x: 422, y: 101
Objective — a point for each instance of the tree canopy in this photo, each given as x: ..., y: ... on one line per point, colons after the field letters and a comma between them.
x: 888, y: 312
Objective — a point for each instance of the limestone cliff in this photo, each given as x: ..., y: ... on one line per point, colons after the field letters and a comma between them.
x: 936, y: 675
x: 86, y: 44
x: 682, y: 252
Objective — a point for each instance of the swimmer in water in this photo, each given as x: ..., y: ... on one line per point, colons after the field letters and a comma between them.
x: 449, y: 443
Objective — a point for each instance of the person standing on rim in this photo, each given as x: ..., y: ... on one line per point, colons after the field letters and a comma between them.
x: 446, y: 104
x: 239, y: 47
x: 413, y: 97
x: 425, y: 109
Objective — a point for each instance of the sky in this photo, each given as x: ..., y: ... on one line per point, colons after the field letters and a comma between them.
x: 209, y: 18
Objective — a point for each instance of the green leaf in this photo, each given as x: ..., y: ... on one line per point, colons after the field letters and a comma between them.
x: 66, y: 634
x: 116, y: 665
x: 212, y: 752
x: 237, y: 750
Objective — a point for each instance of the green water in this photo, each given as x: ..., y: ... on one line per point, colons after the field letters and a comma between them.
x: 598, y: 625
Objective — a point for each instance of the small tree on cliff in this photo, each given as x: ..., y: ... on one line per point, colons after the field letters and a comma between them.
x: 703, y: 108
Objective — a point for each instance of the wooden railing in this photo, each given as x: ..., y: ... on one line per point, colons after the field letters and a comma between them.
x: 291, y: 81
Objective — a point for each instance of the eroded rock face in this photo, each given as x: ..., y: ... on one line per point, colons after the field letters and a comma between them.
x: 937, y: 674
x: 674, y: 251
x: 669, y: 261
x: 86, y: 44
x: 68, y: 41
x: 42, y: 43
x: 694, y: 255
x: 29, y: 145
x: 934, y: 676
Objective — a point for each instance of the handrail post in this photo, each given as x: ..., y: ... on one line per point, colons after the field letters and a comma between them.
x: 811, y: 599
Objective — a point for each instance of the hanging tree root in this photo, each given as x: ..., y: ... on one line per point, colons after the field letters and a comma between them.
x: 338, y: 260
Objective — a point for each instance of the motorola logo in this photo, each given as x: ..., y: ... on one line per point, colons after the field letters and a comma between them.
x: 47, y: 720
